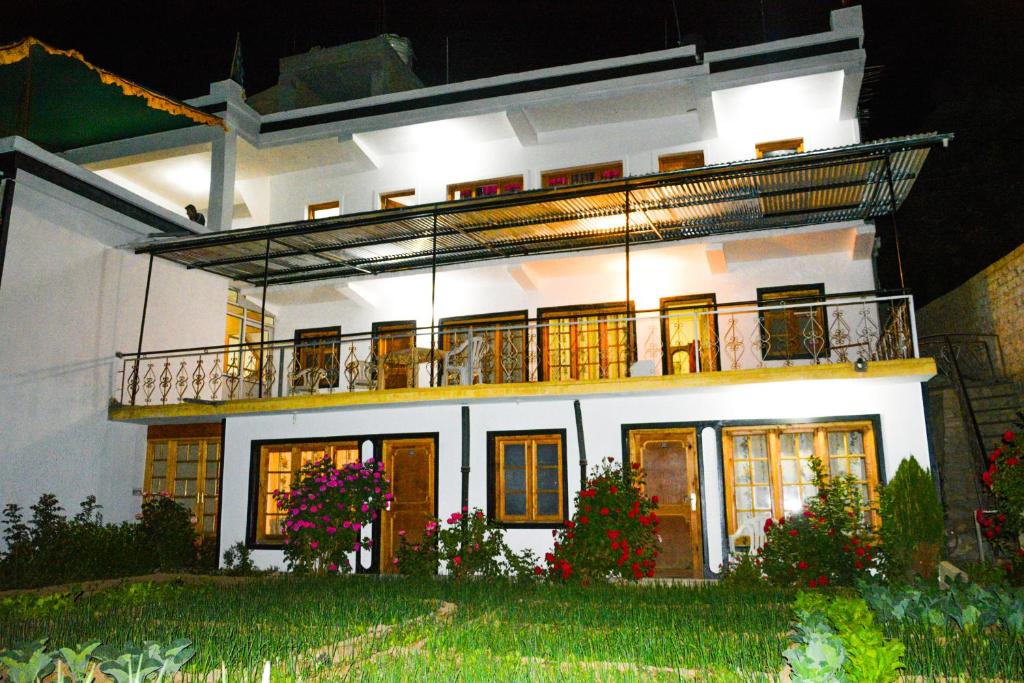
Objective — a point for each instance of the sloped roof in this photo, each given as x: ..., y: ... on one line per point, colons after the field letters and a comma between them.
x: 823, y: 186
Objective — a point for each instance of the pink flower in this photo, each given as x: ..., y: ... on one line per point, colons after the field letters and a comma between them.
x: 401, y: 532
x: 394, y: 561
x: 356, y: 526
x: 331, y: 530
x: 313, y: 545
x: 332, y: 567
x: 364, y: 507
x: 357, y: 547
x: 457, y: 560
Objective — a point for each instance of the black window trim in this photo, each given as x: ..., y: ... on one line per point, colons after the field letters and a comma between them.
x: 492, y: 473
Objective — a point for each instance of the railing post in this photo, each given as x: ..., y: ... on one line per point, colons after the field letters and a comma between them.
x: 263, y: 319
x: 696, y: 341
x: 913, y: 325
x: 142, y: 329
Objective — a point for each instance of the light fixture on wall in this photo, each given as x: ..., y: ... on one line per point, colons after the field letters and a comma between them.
x: 860, y: 365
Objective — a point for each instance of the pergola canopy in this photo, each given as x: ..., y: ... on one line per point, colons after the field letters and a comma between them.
x: 858, y: 181
x: 59, y: 101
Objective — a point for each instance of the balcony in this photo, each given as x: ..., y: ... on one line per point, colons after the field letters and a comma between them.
x: 532, y: 356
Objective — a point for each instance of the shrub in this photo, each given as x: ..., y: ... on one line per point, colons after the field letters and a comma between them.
x: 743, y: 571
x: 238, y: 560
x: 912, y: 523
x: 470, y: 545
x: 1005, y: 478
x: 168, y: 532
x: 327, y: 511
x: 827, y: 544
x: 613, y: 532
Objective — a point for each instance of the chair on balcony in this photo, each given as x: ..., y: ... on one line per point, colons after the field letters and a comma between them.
x: 308, y: 381
x: 753, y: 531
x: 361, y: 373
x: 465, y: 360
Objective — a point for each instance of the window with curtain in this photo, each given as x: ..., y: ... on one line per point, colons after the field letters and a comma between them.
x: 528, y: 478
x: 689, y: 337
x: 586, y: 342
x: 578, y: 175
x: 486, y: 188
x: 768, y: 468
x: 680, y: 161
x: 279, y: 469
x: 317, y: 357
x: 794, y: 328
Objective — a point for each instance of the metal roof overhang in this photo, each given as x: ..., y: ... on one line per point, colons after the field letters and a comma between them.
x: 824, y: 186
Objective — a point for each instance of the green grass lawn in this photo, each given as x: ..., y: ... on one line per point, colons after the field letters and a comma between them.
x: 497, y: 631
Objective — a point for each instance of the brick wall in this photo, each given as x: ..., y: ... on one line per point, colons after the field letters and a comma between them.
x: 991, y: 302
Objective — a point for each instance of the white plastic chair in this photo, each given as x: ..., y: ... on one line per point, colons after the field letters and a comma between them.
x: 468, y: 367
x: 753, y: 529
x: 308, y: 381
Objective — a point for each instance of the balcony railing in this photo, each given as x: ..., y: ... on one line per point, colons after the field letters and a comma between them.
x: 705, y: 338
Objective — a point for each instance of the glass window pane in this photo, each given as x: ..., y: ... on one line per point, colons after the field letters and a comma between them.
x: 547, y: 455
x: 741, y: 444
x: 515, y: 503
x: 836, y: 443
x: 515, y: 480
x: 763, y: 498
x: 759, y: 446
x: 212, y: 451
x: 547, y: 479
x: 744, y: 500
x: 789, y: 471
x: 791, y: 500
x: 856, y: 442
x: 280, y: 460
x: 742, y: 470
x: 806, y: 443
x: 547, y: 504
x: 159, y: 467
x: 760, y: 471
x: 515, y: 455
x: 787, y: 442
x: 857, y: 468
x: 157, y: 485
x: 806, y: 472
x: 837, y: 466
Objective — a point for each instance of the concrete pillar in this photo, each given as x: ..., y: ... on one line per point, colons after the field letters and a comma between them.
x: 222, y: 181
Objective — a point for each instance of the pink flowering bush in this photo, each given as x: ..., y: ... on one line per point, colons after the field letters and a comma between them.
x: 327, y: 512
x: 467, y: 543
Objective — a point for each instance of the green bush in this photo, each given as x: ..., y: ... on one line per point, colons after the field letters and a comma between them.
x: 912, y: 523
x: 167, y: 531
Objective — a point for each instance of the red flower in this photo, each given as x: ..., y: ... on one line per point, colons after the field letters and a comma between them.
x: 549, y: 557
x: 860, y: 552
x: 808, y: 513
x: 768, y: 524
x: 812, y: 584
x: 457, y: 560
x: 538, y: 570
x: 1008, y: 437
x: 584, y: 519
x: 989, y: 533
x: 1012, y: 461
x: 822, y: 580
x: 569, y: 524
x: 979, y: 515
x: 613, y: 534
x: 858, y: 564
x: 604, y: 511
x: 987, y: 477
x: 802, y: 565
x: 650, y: 573
x: 614, y: 488
x: 615, y: 545
x: 654, y: 499
x: 792, y: 532
x: 635, y: 466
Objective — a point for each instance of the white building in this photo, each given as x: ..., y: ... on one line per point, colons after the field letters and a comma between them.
x: 665, y: 258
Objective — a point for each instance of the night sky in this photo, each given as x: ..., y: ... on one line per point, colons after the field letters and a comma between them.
x: 950, y: 66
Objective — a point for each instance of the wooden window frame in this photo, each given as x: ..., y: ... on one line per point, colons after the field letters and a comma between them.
x: 313, y: 208
x: 386, y: 197
x: 681, y: 161
x: 516, y: 318
x: 873, y: 465
x: 495, y: 478
x: 262, y: 452
x: 247, y: 314
x: 549, y: 179
x: 381, y: 333
x: 763, y: 148
x: 305, y: 354
x: 767, y: 296
x: 546, y: 315
x: 680, y: 303
x: 503, y: 185
x: 204, y: 435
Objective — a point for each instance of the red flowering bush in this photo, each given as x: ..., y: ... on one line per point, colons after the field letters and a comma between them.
x: 828, y: 543
x: 1005, y: 478
x: 470, y: 545
x: 327, y: 511
x: 613, y: 533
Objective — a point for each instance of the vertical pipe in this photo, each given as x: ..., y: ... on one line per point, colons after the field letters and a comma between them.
x: 465, y: 457
x: 909, y: 303
x: 892, y: 215
x: 433, y: 295
x: 6, y: 206
x: 142, y: 328
x: 263, y: 318
x: 580, y: 441
x: 629, y: 323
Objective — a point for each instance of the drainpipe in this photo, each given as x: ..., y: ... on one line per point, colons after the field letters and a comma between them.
x: 6, y: 205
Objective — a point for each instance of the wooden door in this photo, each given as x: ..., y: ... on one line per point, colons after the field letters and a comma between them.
x: 409, y: 463
x: 184, y: 462
x: 394, y: 346
x: 669, y: 460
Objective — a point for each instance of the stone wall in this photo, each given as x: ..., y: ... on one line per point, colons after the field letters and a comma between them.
x: 991, y: 302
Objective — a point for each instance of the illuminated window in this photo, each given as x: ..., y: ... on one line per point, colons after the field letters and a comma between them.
x: 183, y: 461
x: 317, y: 357
x: 324, y: 210
x: 398, y: 199
x: 586, y: 342
x: 279, y: 470
x: 777, y: 148
x: 793, y: 328
x: 768, y: 468
x: 688, y: 334
x: 486, y: 188
x: 528, y: 477
x: 581, y: 174
x: 502, y: 346
x: 244, y: 325
x: 681, y: 161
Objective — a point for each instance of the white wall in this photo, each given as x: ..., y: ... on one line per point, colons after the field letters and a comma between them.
x: 68, y: 302
x: 898, y: 403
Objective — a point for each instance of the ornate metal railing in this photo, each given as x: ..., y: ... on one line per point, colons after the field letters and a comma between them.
x: 978, y: 357
x: 822, y: 330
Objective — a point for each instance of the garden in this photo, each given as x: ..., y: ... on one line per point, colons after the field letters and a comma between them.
x: 830, y: 596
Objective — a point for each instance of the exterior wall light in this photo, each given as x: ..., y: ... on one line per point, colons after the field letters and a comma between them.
x: 860, y: 365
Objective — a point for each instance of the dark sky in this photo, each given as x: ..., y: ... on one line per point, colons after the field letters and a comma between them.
x: 951, y: 65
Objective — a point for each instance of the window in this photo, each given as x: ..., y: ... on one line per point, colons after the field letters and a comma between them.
x: 777, y: 148
x: 799, y: 331
x: 768, y: 468
x: 184, y: 462
x: 681, y: 161
x: 586, y: 342
x: 486, y: 188
x: 581, y: 174
x: 279, y: 466
x: 398, y: 199
x: 324, y: 210
x: 688, y: 334
x: 317, y: 357
x: 502, y: 347
x: 394, y: 345
x: 528, y: 477
x: 244, y: 323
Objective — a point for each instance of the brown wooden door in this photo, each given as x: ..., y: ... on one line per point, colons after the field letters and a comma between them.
x: 409, y: 463
x: 396, y: 360
x: 669, y: 460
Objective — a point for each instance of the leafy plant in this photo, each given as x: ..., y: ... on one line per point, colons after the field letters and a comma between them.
x: 827, y: 544
x: 970, y: 607
x: 131, y: 666
x: 79, y: 661
x: 912, y: 523
x: 238, y: 560
x: 742, y: 572
x: 27, y: 662
x: 613, y: 532
x: 327, y: 510
x: 168, y: 531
